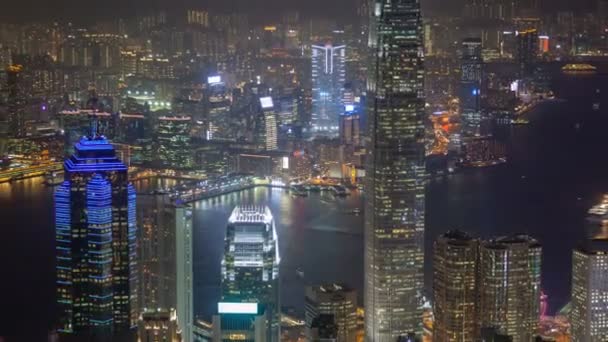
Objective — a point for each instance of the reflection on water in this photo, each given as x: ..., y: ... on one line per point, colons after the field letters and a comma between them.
x: 317, y: 234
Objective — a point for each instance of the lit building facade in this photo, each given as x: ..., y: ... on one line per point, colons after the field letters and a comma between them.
x: 269, y: 131
x: 218, y: 109
x: 470, y: 86
x: 394, y: 212
x: 350, y: 129
x: 165, y: 260
x: 328, y: 78
x: 527, y: 50
x: 250, y: 266
x: 455, y: 288
x: 509, y: 286
x: 589, y: 314
x: 240, y: 322
x: 173, y: 141
x: 16, y: 101
x: 95, y: 223
x: 337, y: 300
x: 158, y: 326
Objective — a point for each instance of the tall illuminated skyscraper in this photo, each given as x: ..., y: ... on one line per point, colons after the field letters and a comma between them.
x: 250, y: 267
x: 269, y: 131
x: 165, y: 260
x: 589, y: 315
x: 328, y: 78
x: 455, y: 288
x: 218, y: 109
x: 16, y: 101
x: 394, y: 212
x: 509, y: 286
x: 96, y: 239
x: 470, y: 86
x: 173, y: 142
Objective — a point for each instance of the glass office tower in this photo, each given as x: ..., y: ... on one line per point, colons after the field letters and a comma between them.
x: 589, y: 315
x: 96, y: 238
x: 509, y: 286
x: 455, y: 287
x: 328, y: 78
x: 394, y: 213
x: 250, y: 267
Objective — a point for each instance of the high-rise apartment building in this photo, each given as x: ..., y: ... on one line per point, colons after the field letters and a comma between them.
x: 509, y: 286
x: 328, y: 79
x: 589, y: 314
x: 394, y: 212
x: 250, y: 266
x: 455, y: 287
x: 337, y: 300
x: 96, y: 237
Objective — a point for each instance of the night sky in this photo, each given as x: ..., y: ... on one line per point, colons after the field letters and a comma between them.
x: 91, y: 10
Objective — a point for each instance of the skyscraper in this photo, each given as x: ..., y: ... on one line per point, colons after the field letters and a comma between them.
x: 250, y: 266
x: 96, y: 238
x: 16, y: 101
x: 165, y: 258
x: 589, y: 315
x: 394, y: 212
x: 527, y: 50
x: 455, y: 287
x: 470, y: 86
x: 333, y: 299
x: 269, y: 138
x: 218, y: 109
x: 509, y: 286
x: 328, y: 78
x: 173, y: 142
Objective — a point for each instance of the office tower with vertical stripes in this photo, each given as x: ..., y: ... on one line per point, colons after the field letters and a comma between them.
x: 394, y: 212
x: 509, y: 284
x: 455, y: 286
x: 95, y: 244
x: 328, y: 79
x: 589, y: 314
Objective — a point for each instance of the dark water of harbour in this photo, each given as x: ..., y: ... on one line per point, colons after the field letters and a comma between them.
x: 558, y: 168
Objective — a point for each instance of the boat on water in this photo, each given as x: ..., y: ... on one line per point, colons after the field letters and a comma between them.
x: 356, y: 211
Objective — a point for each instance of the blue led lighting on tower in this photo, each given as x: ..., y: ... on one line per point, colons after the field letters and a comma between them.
x: 96, y: 237
x: 328, y: 78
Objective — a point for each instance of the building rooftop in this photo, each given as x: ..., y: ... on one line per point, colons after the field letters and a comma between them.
x: 251, y: 214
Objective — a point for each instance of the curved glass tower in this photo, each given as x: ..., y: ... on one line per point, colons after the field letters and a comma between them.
x: 95, y: 250
x: 394, y: 213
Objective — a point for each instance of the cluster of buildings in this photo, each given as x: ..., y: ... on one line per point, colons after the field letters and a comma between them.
x: 198, y: 91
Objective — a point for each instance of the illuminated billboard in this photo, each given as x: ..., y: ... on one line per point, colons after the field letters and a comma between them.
x: 266, y: 102
x: 214, y: 79
x: 237, y: 308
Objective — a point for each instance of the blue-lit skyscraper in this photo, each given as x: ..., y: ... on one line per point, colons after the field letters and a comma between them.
x: 328, y: 78
x: 250, y: 267
x: 95, y: 244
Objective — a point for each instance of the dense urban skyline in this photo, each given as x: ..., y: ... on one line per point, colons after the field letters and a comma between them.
x: 362, y: 170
